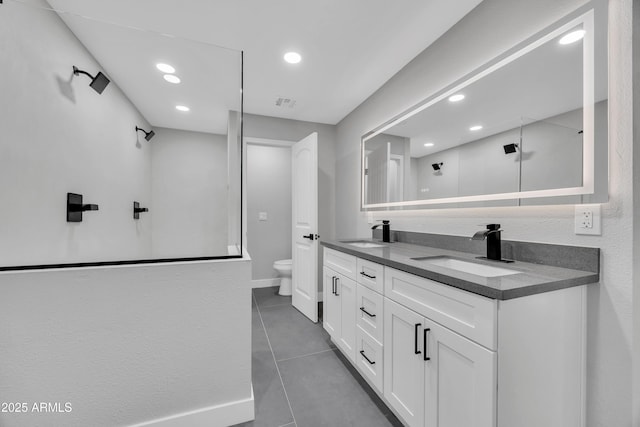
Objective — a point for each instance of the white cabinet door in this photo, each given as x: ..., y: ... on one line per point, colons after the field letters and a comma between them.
x: 346, y: 290
x: 331, y: 304
x: 460, y: 380
x: 403, y: 364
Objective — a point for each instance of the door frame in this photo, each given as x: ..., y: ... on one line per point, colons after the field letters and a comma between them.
x: 250, y: 140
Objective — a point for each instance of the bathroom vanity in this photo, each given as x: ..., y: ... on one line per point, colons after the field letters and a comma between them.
x: 446, y: 339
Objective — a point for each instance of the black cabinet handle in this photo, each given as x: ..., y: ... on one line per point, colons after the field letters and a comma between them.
x: 366, y: 312
x: 415, y: 342
x: 424, y: 340
x: 337, y: 280
x: 362, y: 273
x: 363, y: 355
x: 333, y: 285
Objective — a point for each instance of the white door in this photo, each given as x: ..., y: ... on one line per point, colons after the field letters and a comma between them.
x: 403, y: 362
x: 460, y: 380
x: 331, y: 301
x: 346, y: 289
x: 304, y: 156
x: 377, y: 174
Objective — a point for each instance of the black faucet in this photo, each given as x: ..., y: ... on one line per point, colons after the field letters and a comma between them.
x: 386, y: 230
x: 494, y: 246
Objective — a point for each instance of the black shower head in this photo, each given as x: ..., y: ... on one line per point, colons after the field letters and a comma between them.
x: 436, y: 166
x: 147, y: 135
x: 98, y: 83
x: 510, y: 148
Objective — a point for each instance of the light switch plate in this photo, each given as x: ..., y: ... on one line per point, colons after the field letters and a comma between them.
x: 588, y: 220
x: 262, y: 216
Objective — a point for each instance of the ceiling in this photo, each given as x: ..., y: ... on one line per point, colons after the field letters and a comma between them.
x: 349, y: 49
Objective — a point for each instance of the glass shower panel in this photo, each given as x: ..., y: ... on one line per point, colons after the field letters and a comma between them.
x: 110, y: 156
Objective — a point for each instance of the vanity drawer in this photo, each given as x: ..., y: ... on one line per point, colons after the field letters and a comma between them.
x: 472, y: 316
x: 369, y: 316
x: 370, y: 274
x: 369, y: 359
x: 340, y: 262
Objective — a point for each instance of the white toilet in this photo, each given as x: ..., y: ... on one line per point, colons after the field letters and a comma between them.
x: 283, y: 267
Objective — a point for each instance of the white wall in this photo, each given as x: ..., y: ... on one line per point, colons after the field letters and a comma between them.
x: 58, y: 135
x: 127, y: 344
x: 490, y: 29
x: 188, y: 209
x: 268, y: 190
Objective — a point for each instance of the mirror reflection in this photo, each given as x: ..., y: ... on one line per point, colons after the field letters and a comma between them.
x: 145, y: 128
x: 517, y: 126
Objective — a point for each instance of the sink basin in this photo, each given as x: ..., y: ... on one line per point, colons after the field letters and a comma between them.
x: 364, y: 244
x: 467, y: 266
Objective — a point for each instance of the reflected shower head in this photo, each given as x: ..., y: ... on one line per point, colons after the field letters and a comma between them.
x: 98, y: 83
x: 510, y: 148
x: 147, y: 135
x: 436, y: 166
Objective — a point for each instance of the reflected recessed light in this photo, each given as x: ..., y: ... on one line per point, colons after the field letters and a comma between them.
x: 477, y: 127
x: 182, y: 108
x: 572, y: 37
x: 429, y: 144
x: 457, y: 97
x: 171, y: 78
x: 165, y: 68
x: 292, y: 57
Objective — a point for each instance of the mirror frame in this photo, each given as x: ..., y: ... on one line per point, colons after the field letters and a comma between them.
x: 587, y: 19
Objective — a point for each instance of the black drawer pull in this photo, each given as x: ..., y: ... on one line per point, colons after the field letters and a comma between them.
x: 366, y: 312
x: 363, y: 355
x: 424, y: 340
x: 415, y: 343
x: 333, y: 285
x: 337, y: 281
x: 362, y: 273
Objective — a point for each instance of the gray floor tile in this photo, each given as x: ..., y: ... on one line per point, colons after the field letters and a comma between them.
x: 268, y: 297
x: 271, y: 406
x: 323, y: 393
x: 292, y: 334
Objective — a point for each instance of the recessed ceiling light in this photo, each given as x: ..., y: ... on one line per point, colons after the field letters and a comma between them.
x: 572, y: 37
x: 182, y: 108
x: 429, y: 144
x: 457, y: 97
x: 292, y: 57
x: 165, y: 68
x: 476, y: 127
x: 171, y: 78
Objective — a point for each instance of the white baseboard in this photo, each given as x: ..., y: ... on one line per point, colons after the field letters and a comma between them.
x: 224, y: 415
x: 265, y: 283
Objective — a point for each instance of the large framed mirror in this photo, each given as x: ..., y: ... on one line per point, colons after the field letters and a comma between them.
x: 529, y: 127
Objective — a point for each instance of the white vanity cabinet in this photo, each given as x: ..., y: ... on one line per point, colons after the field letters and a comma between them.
x: 434, y: 376
x: 339, y: 296
x: 440, y: 356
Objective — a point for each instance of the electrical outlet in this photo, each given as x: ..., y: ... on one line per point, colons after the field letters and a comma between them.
x: 370, y: 217
x: 262, y: 216
x: 587, y: 219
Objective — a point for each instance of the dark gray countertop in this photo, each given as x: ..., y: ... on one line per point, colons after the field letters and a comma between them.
x: 532, y: 278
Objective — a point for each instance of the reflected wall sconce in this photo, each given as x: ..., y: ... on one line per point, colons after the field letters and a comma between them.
x: 147, y: 135
x: 137, y: 210
x: 510, y: 148
x: 98, y: 83
x: 436, y: 166
x: 75, y: 207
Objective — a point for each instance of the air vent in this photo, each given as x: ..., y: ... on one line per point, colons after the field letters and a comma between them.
x: 285, y: 102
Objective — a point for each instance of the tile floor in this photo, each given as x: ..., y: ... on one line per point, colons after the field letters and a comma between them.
x: 299, y: 378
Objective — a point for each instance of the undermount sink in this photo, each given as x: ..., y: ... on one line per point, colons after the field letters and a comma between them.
x: 466, y: 266
x: 363, y: 244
